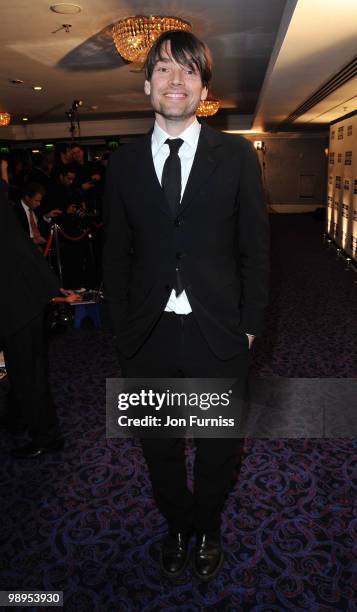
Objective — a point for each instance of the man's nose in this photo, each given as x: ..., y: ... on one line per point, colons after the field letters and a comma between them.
x: 176, y: 75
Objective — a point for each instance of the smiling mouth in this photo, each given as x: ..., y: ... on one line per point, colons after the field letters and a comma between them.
x: 175, y: 96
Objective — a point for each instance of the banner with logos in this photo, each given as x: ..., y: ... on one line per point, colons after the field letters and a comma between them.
x: 342, y: 185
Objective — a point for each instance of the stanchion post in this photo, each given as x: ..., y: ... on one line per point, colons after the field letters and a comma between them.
x: 58, y: 252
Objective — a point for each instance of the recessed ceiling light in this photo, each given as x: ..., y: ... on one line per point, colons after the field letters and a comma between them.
x: 37, y: 87
x: 66, y: 8
x: 17, y: 81
x: 25, y: 118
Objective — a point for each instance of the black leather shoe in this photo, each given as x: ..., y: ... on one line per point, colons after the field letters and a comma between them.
x: 208, y: 556
x: 175, y: 553
x: 32, y: 449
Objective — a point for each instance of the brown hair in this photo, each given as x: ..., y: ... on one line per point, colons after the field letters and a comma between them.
x: 186, y: 50
x: 30, y: 189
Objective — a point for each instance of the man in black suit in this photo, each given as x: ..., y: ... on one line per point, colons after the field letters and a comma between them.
x: 186, y: 278
x: 28, y: 285
x: 36, y: 224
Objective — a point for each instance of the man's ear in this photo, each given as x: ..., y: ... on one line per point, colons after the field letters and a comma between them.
x: 147, y: 88
x: 204, y: 93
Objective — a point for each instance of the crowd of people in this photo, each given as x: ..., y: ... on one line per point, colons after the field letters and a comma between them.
x: 63, y: 187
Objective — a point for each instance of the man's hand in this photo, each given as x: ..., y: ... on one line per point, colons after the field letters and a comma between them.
x: 39, y: 240
x: 54, y: 213
x: 68, y: 296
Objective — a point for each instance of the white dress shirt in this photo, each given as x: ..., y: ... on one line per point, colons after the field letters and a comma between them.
x: 160, y: 152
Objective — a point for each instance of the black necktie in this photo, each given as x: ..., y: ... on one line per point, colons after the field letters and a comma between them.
x: 171, y: 184
x: 171, y: 175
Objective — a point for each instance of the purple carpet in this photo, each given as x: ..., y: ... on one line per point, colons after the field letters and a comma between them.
x: 84, y: 522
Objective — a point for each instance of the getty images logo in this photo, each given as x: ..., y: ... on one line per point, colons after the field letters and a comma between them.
x: 156, y: 400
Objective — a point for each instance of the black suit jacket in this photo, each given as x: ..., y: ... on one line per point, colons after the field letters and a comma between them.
x: 27, y: 282
x: 220, y: 240
x: 43, y: 227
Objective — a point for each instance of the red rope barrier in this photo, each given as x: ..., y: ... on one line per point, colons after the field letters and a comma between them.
x: 48, y: 244
x: 74, y: 238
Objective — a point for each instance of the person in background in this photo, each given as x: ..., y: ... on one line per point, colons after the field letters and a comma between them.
x: 62, y: 157
x: 36, y: 224
x: 41, y: 172
x: 88, y: 177
x: 28, y: 286
x: 67, y: 198
x: 62, y: 194
x: 18, y: 170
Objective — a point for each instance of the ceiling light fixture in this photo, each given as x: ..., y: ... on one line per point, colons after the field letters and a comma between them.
x: 207, y: 108
x: 5, y: 119
x: 17, y: 81
x: 134, y: 36
x: 37, y: 87
x: 66, y: 8
x: 65, y: 26
x: 25, y: 118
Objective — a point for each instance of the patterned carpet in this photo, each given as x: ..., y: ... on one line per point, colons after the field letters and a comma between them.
x: 84, y: 521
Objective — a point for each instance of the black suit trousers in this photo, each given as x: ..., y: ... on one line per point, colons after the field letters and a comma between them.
x: 30, y: 401
x: 177, y: 348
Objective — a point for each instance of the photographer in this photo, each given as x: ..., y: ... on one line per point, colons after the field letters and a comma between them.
x: 89, y: 178
x: 67, y: 198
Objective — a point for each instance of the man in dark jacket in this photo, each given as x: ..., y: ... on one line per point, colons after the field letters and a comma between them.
x: 30, y: 215
x: 186, y: 277
x: 28, y: 285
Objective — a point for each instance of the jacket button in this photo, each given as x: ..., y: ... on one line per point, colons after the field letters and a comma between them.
x: 178, y: 222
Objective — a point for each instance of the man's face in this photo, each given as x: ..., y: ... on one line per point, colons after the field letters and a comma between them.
x: 66, y: 156
x: 77, y: 155
x: 67, y: 179
x: 175, y: 91
x: 34, y: 201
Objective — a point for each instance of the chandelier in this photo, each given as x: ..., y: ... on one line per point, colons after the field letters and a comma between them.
x: 5, y: 118
x: 207, y: 108
x: 134, y: 36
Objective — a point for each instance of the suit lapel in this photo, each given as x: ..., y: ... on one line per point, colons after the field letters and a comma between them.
x: 208, y: 155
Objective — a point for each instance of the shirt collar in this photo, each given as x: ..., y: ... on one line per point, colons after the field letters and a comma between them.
x: 190, y: 135
x: 25, y: 205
